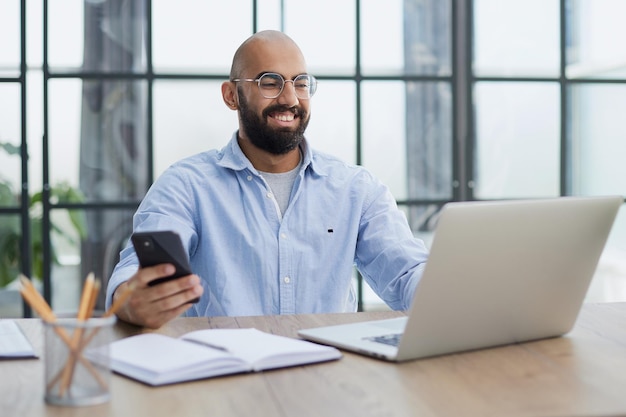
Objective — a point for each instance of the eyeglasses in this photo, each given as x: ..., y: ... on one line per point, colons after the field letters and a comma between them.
x: 272, y: 84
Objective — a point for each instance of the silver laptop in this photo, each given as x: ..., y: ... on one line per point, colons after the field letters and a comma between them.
x: 498, y: 273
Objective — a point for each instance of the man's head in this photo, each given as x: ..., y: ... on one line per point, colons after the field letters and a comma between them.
x: 275, y: 125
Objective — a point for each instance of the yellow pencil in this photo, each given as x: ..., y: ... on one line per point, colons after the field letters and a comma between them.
x: 75, y: 352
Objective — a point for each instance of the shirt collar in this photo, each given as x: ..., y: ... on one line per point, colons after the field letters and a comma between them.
x: 232, y: 157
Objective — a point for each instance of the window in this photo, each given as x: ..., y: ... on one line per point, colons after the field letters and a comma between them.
x: 549, y: 78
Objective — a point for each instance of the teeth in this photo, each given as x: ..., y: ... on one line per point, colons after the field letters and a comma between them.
x: 284, y: 117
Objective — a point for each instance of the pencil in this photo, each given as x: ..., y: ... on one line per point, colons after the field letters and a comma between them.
x: 83, y: 314
x: 111, y: 311
x: 94, y: 297
x: 85, y: 299
x: 35, y: 300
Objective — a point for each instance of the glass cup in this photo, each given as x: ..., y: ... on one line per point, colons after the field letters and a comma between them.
x: 77, y: 361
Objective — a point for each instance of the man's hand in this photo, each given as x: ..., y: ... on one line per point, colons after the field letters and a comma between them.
x: 153, y: 306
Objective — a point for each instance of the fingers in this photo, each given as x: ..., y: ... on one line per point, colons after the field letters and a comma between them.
x: 153, y: 306
x: 171, y: 294
x: 145, y: 275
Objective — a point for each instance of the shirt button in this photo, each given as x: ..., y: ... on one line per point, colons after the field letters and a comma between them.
x: 283, y: 235
x: 268, y: 195
x: 249, y: 177
x: 287, y: 280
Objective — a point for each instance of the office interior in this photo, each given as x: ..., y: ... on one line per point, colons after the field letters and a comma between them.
x: 443, y: 100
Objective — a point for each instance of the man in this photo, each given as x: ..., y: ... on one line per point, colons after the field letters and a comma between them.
x: 270, y: 225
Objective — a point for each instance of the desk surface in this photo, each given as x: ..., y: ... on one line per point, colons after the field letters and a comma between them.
x: 583, y: 373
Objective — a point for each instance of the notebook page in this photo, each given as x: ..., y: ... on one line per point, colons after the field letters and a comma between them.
x: 264, y: 350
x: 157, y: 359
x: 13, y: 342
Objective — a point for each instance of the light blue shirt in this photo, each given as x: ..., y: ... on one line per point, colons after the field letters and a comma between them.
x: 254, y: 261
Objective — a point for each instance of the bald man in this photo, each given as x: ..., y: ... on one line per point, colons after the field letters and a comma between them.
x: 271, y: 226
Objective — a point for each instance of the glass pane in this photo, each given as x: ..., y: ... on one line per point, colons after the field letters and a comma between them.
x: 10, y: 140
x: 88, y: 241
x: 11, y: 304
x: 64, y: 130
x: 332, y: 129
x: 34, y: 37
x: 405, y: 37
x: 198, y: 35
x: 34, y: 131
x: 429, y: 140
x: 189, y: 117
x: 96, y: 35
x: 97, y: 138
x: 269, y: 14
x: 65, y: 268
x: 65, y: 33
x: 325, y: 31
x: 384, y: 134
x: 10, y: 29
x: 10, y: 254
x: 517, y: 140
x: 593, y: 50
x: 410, y: 151
x: 108, y: 232
x: 516, y: 38
x: 598, y: 132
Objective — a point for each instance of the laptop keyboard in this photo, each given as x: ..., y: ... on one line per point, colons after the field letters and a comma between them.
x: 388, y: 339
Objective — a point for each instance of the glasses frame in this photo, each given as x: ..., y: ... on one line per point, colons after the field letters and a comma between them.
x: 312, y: 88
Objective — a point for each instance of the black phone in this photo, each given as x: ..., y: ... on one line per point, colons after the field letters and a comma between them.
x: 161, y: 247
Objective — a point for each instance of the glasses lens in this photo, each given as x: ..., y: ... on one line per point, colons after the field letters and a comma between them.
x: 305, y: 86
x: 271, y: 85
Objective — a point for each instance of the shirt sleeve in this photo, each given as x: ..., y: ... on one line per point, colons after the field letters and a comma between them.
x: 166, y: 206
x: 390, y: 258
x: 122, y: 272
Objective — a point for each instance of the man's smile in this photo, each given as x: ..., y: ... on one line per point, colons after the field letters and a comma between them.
x: 283, y: 117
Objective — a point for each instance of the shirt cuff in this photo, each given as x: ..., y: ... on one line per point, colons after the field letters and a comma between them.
x: 118, y: 278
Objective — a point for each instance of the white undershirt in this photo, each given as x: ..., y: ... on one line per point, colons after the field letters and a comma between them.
x: 281, y: 185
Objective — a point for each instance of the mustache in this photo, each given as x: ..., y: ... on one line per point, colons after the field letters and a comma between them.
x: 297, y: 111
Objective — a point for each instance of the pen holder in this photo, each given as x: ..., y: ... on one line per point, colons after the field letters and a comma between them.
x: 77, y: 361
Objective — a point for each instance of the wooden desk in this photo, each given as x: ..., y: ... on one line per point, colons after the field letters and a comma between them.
x: 583, y: 373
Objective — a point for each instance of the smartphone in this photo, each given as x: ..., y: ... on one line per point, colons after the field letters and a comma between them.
x: 161, y: 247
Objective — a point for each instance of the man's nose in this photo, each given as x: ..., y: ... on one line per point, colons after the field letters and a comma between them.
x: 288, y: 95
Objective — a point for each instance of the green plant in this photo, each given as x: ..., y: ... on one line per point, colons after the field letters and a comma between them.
x: 10, y: 227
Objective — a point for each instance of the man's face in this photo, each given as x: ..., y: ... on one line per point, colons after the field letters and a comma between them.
x: 275, y: 125
x: 277, y: 128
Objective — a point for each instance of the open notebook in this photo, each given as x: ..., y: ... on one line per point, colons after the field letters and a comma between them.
x: 156, y: 359
x: 498, y: 273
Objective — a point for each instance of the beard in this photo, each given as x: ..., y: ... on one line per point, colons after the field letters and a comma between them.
x: 275, y: 141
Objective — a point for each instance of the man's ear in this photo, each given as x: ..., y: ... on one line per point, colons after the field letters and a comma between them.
x: 229, y: 94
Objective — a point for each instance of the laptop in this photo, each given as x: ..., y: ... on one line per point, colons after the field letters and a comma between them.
x: 499, y: 272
